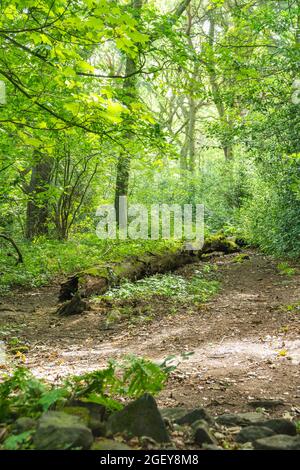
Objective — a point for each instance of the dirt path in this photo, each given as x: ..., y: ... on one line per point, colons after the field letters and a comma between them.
x: 245, y: 344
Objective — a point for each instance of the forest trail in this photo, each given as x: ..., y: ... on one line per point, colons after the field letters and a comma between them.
x: 245, y: 342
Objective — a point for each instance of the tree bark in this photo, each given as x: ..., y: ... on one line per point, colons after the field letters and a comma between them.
x: 216, y: 94
x: 15, y: 246
x: 97, y: 280
x: 37, y: 207
x: 130, y: 92
x: 124, y: 160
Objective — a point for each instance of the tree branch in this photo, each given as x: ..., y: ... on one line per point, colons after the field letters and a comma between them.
x: 13, y: 243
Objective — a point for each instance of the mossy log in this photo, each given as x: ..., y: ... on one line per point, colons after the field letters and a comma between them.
x: 97, y: 280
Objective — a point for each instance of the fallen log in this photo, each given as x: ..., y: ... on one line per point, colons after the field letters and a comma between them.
x: 99, y: 279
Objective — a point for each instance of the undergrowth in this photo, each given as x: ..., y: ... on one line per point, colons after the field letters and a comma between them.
x: 46, y: 259
x: 196, y: 289
x: 22, y: 394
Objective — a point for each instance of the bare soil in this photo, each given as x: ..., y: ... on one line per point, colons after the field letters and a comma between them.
x: 245, y: 342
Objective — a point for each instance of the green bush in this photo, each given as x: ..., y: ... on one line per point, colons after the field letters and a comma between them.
x: 271, y: 217
x: 21, y: 394
x: 45, y: 259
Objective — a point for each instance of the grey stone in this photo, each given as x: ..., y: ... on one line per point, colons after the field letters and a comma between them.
x: 98, y: 414
x: 23, y: 424
x: 281, y: 426
x: 173, y: 414
x: 278, y: 442
x: 82, y: 413
x: 194, y: 415
x: 57, y: 430
x: 266, y: 403
x: 240, y: 419
x: 202, y: 434
x: 252, y: 433
x: 139, y: 418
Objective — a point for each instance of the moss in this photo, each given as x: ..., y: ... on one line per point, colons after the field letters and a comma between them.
x: 78, y: 411
x: 241, y: 258
x: 96, y: 271
x: 219, y: 242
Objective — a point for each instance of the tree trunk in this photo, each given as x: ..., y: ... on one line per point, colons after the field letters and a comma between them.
x: 130, y: 92
x: 123, y: 165
x: 97, y: 280
x: 215, y: 89
x: 37, y: 207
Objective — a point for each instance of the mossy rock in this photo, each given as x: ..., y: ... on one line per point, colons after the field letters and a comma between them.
x: 23, y: 424
x: 80, y: 412
x: 58, y: 430
x: 140, y: 418
x: 219, y: 242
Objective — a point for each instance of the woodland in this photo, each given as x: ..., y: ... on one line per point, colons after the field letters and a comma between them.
x: 123, y: 343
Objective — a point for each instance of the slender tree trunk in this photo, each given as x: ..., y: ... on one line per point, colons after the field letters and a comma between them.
x: 130, y: 92
x: 191, y: 133
x: 216, y: 94
x: 37, y: 207
x: 123, y: 165
x: 192, y: 104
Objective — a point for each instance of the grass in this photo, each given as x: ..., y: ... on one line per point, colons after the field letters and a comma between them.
x: 46, y: 259
x: 285, y: 269
x: 292, y: 307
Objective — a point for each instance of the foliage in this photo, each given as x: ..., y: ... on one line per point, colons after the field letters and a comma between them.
x: 204, y: 117
x: 196, y: 289
x: 18, y: 441
x: 21, y: 394
x: 294, y: 308
x: 131, y: 378
x: 270, y: 217
x: 83, y: 251
x: 285, y: 269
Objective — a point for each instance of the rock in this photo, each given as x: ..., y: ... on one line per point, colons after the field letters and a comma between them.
x: 278, y: 442
x: 252, y: 433
x: 173, y: 414
x: 266, y: 403
x: 202, y: 434
x: 194, y: 415
x: 23, y: 424
x: 98, y: 428
x: 57, y: 430
x: 78, y: 411
x: 98, y: 414
x: 109, y: 444
x: 219, y: 242
x: 281, y: 426
x: 240, y: 419
x: 139, y: 418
